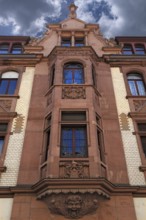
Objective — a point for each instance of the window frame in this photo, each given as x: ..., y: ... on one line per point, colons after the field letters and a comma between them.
x: 4, y: 135
x: 8, y: 86
x: 73, y: 73
x: 47, y: 138
x: 100, y: 139
x: 135, y: 81
x: 141, y: 133
x: 74, y: 125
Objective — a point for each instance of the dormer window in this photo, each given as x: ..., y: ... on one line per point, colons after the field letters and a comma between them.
x: 139, y: 49
x: 16, y: 49
x: 127, y: 49
x: 79, y: 42
x: 4, y: 48
x: 66, y: 42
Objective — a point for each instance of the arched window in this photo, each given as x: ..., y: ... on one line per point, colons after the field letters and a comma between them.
x: 136, y: 84
x: 127, y: 49
x: 8, y: 82
x: 4, y: 48
x: 73, y: 73
x: 16, y: 49
x: 139, y: 49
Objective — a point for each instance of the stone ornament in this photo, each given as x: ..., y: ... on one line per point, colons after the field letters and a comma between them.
x: 73, y: 92
x: 74, y: 169
x: 71, y: 205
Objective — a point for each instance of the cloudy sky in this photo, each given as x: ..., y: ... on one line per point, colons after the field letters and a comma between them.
x: 116, y: 17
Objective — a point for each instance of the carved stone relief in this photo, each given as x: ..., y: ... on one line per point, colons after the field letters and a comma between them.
x: 73, y: 92
x: 74, y: 169
x: 5, y: 105
x: 71, y: 205
x: 138, y: 104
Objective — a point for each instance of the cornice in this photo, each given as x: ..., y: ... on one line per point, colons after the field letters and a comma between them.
x: 119, y: 60
x: 21, y: 59
x: 55, y: 185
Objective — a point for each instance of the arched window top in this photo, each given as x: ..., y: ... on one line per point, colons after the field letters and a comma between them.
x: 4, y: 48
x: 134, y: 75
x: 139, y: 49
x: 16, y: 49
x: 73, y: 73
x: 10, y: 75
x: 127, y: 49
x: 136, y: 84
x: 73, y: 65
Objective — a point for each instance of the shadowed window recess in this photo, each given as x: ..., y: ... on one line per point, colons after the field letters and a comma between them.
x: 3, y: 130
x: 142, y: 135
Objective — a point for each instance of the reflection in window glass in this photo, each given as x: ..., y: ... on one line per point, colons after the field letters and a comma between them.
x: 73, y: 74
x: 136, y: 84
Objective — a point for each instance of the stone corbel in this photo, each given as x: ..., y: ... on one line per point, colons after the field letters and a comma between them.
x: 73, y: 205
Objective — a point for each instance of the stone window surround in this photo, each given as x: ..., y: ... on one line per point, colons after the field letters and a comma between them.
x: 72, y: 35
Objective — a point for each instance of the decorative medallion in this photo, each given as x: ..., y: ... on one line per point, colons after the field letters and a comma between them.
x: 73, y: 169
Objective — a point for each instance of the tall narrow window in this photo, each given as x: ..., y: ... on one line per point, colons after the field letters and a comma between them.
x: 52, y: 75
x: 3, y: 130
x: 100, y: 139
x: 136, y: 84
x: 4, y: 48
x: 73, y: 73
x: 139, y: 49
x: 73, y: 134
x: 46, y: 139
x: 8, y: 83
x: 142, y: 135
x: 127, y: 49
x: 94, y: 76
x: 16, y: 49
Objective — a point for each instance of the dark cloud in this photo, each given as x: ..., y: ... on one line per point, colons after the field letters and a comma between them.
x: 116, y: 17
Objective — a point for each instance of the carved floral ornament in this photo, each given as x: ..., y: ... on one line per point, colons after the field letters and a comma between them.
x: 73, y: 205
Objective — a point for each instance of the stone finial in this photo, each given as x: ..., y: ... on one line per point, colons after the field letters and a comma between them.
x: 73, y: 9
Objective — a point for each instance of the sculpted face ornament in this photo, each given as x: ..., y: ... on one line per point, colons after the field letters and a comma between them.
x: 74, y: 205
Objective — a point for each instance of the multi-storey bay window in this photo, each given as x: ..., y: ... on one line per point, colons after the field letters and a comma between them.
x: 73, y: 134
x: 8, y: 82
x: 142, y: 135
x: 3, y: 130
x: 136, y: 84
x: 73, y: 73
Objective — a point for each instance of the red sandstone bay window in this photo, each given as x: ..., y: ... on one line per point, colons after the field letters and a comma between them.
x: 73, y: 134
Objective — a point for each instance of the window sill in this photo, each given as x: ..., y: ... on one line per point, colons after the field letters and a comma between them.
x: 136, y: 96
x: 3, y: 169
x: 9, y: 96
x: 142, y: 168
